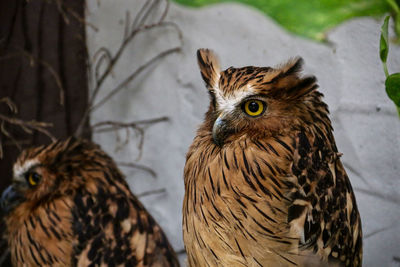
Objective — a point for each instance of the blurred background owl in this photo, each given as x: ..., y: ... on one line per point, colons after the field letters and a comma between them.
x: 69, y: 205
x: 264, y: 184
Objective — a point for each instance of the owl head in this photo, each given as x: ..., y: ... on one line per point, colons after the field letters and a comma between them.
x: 256, y: 102
x: 44, y: 173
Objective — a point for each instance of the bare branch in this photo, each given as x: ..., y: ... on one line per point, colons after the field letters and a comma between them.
x: 80, y: 19
x: 27, y: 126
x: 141, y: 16
x: 51, y: 70
x: 139, y: 25
x: 139, y: 167
x: 65, y: 11
x: 137, y: 126
x: 107, y: 126
x: 59, y: 5
x: 166, y: 9
x: 11, y: 105
x: 181, y: 251
x: 151, y: 192
x: 133, y: 76
x: 118, y: 54
x: 127, y: 24
x: 7, y: 134
x: 104, y: 56
x: 32, y: 61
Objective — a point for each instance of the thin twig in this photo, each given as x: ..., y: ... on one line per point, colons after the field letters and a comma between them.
x: 118, y: 124
x: 166, y: 9
x: 11, y: 105
x: 28, y: 126
x: 65, y: 11
x: 127, y: 24
x: 103, y: 63
x: 81, y: 19
x: 9, y: 136
x: 124, y: 83
x: 59, y: 5
x: 52, y: 72
x: 113, y: 125
x: 181, y: 251
x: 118, y: 54
x: 138, y: 26
x: 32, y: 60
x: 142, y: 15
x: 136, y: 126
x: 139, y: 167
x: 152, y: 192
x: 104, y: 56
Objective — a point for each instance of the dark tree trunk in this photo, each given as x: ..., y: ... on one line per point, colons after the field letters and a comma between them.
x: 42, y: 64
x: 42, y: 57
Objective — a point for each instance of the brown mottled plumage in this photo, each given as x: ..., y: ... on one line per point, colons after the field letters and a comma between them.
x: 264, y: 182
x: 69, y: 205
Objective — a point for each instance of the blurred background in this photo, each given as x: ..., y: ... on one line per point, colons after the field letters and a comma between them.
x: 124, y: 74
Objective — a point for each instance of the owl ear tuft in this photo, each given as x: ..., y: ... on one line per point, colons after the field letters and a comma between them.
x: 289, y: 84
x: 209, y: 67
x: 293, y: 66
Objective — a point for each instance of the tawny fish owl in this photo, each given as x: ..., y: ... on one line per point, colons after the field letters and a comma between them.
x: 264, y: 184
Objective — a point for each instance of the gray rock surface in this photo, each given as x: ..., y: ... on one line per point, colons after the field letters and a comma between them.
x: 350, y: 75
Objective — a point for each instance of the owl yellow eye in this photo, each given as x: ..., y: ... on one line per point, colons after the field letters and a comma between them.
x: 33, y: 178
x: 254, y: 108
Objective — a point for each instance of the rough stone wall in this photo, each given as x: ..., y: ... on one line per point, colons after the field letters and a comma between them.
x: 349, y: 71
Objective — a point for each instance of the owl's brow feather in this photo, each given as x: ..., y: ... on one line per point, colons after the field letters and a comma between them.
x: 255, y: 96
x: 292, y: 70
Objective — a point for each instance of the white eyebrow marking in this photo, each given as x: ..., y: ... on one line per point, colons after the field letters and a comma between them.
x: 18, y: 170
x: 228, y: 103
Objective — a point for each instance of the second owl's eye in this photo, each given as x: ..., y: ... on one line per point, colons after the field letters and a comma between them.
x: 32, y: 178
x: 254, y: 108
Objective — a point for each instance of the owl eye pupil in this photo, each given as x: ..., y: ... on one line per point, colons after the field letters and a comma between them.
x: 253, y: 106
x: 33, y: 178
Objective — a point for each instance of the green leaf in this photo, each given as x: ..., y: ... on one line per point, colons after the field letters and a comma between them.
x: 384, y: 45
x: 396, y: 17
x: 308, y: 18
x: 393, y: 88
x: 394, y: 6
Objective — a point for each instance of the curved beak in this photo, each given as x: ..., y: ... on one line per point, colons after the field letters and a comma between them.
x: 10, y: 198
x: 220, y: 130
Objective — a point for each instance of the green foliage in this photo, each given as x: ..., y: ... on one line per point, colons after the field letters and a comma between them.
x: 309, y: 18
x: 394, y: 5
x: 392, y: 83
x: 393, y: 87
x: 384, y: 45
